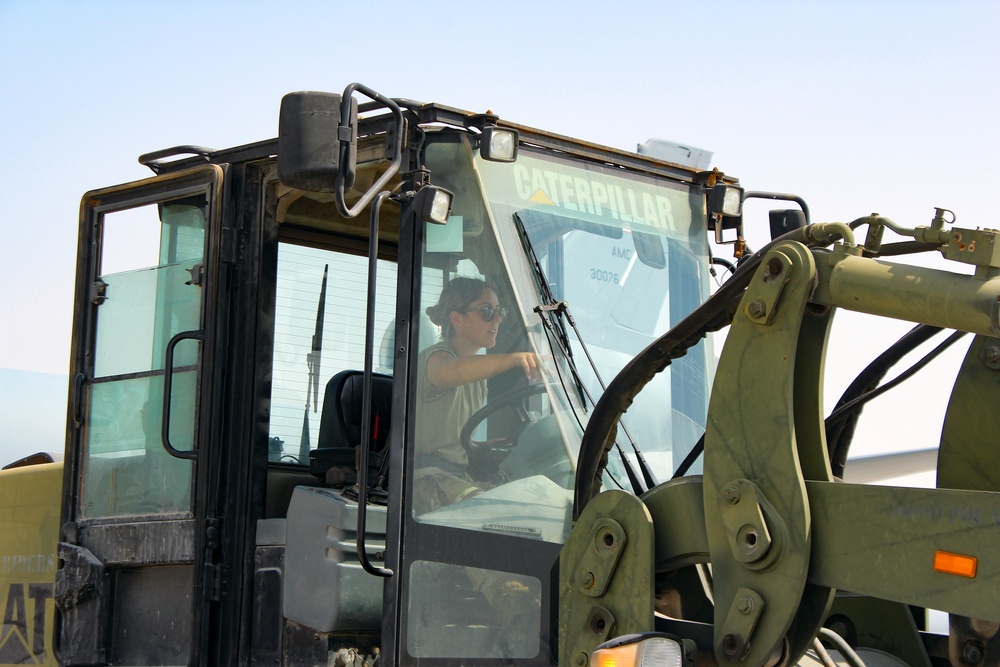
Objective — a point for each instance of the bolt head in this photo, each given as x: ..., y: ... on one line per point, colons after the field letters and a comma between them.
x: 757, y: 308
x: 732, y: 494
x: 731, y: 645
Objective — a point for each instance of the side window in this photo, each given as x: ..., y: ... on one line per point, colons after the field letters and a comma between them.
x: 319, y: 331
x: 147, y: 292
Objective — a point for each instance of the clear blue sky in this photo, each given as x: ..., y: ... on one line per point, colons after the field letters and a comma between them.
x: 856, y: 106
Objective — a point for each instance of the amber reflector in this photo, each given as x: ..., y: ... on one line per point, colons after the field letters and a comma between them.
x: 963, y: 566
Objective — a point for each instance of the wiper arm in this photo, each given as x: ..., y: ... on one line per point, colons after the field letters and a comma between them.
x: 558, y: 329
x: 647, y: 471
x: 545, y: 290
x: 638, y: 487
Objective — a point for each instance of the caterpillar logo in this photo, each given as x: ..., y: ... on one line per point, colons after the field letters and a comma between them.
x: 25, y: 619
x: 620, y: 199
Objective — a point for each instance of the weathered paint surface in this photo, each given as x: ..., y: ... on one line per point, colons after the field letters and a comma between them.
x: 29, y: 530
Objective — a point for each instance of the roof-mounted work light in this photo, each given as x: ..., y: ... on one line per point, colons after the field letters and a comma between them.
x: 725, y: 208
x: 498, y: 144
x: 433, y: 204
x: 726, y: 200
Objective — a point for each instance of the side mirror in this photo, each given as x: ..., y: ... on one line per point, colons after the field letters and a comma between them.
x: 315, y: 141
x: 785, y: 220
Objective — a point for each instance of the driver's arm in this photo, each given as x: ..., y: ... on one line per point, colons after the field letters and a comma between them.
x: 444, y: 370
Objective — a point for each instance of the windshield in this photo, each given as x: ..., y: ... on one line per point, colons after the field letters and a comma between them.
x: 497, y: 406
x: 628, y: 255
x: 504, y: 382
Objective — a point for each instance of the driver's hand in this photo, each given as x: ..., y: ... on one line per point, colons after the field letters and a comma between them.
x: 529, y: 363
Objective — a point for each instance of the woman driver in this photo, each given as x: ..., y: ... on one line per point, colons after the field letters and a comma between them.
x: 452, y: 381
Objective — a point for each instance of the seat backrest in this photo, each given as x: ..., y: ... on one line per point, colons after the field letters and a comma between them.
x: 340, y: 424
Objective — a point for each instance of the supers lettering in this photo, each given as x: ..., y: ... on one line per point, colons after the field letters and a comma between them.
x: 25, y: 563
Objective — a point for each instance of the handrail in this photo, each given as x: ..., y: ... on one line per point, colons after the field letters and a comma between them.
x: 346, y: 141
x: 366, y: 393
x: 168, y: 376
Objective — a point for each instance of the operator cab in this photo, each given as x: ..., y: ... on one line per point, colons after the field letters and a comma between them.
x: 276, y: 362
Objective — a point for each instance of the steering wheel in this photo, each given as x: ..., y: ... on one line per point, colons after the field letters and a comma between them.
x: 489, y: 454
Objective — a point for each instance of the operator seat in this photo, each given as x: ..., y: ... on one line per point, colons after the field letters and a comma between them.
x: 340, y: 425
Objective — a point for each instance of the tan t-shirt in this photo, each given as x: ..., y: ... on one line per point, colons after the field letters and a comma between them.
x: 442, y: 412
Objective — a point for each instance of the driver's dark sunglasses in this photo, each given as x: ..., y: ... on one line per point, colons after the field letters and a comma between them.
x: 488, y: 312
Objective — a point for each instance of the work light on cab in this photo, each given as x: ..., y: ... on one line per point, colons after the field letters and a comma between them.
x: 498, y: 144
x: 433, y: 204
x: 726, y: 200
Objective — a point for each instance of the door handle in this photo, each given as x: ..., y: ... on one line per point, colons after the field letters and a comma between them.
x: 168, y: 376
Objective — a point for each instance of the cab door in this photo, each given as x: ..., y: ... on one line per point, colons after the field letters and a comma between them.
x: 139, y: 538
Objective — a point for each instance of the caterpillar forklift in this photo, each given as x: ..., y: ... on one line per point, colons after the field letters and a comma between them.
x: 244, y: 483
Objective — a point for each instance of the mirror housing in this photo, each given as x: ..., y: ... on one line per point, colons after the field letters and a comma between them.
x: 785, y: 220
x: 315, y: 141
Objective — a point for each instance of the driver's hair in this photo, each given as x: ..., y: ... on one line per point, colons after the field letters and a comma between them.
x: 457, y: 295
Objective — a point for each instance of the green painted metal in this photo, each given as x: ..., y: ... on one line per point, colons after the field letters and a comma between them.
x: 911, y: 293
x: 678, y: 512
x: 881, y: 540
x: 968, y: 456
x: 781, y: 536
x: 605, y: 576
x: 978, y: 247
x: 967, y: 459
x: 750, y: 442
x: 814, y: 459
x: 878, y: 624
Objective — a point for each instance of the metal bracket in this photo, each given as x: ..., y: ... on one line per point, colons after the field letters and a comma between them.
x: 762, y: 295
x: 197, y: 275
x: 754, y: 455
x: 594, y: 571
x: 739, y: 625
x: 742, y: 513
x: 605, y: 576
x: 98, y: 292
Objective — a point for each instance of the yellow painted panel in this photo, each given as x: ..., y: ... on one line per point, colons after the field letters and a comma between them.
x: 29, y: 530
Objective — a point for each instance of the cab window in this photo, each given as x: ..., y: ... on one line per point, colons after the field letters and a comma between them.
x: 319, y: 331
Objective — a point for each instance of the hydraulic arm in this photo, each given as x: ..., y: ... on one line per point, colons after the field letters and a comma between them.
x: 781, y: 534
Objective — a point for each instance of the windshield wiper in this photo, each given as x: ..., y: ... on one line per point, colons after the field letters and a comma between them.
x: 562, y: 308
x: 558, y: 329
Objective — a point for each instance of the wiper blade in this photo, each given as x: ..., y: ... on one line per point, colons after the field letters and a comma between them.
x: 562, y: 308
x: 557, y: 327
